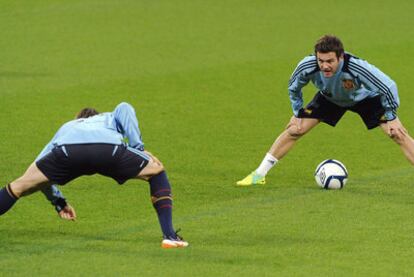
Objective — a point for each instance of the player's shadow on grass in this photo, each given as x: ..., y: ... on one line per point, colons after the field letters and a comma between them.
x: 25, y: 241
x: 16, y: 75
x: 38, y: 235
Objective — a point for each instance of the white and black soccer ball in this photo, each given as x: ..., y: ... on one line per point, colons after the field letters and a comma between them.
x: 331, y: 174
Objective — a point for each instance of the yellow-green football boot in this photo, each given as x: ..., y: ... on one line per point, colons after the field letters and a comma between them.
x: 252, y: 179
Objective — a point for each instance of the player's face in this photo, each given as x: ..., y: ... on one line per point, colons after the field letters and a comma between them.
x: 328, y: 63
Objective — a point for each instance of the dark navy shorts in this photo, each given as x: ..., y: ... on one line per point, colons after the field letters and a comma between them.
x: 67, y: 162
x: 369, y: 109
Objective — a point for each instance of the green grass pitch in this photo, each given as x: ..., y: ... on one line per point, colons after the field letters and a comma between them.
x: 208, y: 80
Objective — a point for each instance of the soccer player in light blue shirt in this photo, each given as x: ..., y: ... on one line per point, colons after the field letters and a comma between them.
x: 101, y: 128
x: 345, y: 83
x: 109, y: 144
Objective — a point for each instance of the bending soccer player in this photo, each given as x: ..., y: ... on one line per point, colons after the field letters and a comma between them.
x: 345, y: 83
x: 108, y: 144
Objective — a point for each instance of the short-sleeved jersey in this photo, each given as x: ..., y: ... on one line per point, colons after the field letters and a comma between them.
x: 354, y: 80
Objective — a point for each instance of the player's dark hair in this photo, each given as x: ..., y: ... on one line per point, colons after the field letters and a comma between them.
x: 329, y: 43
x: 87, y: 112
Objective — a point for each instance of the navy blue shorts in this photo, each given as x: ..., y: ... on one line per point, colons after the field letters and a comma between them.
x: 67, y: 162
x: 369, y: 109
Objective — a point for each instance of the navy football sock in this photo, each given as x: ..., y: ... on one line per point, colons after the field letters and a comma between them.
x: 162, y: 201
x: 7, y: 199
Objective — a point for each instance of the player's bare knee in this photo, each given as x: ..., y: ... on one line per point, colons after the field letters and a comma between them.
x: 158, y: 168
x: 153, y: 168
x: 294, y: 132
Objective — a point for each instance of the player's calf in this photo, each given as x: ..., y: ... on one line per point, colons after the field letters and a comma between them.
x: 161, y: 198
x: 397, y: 140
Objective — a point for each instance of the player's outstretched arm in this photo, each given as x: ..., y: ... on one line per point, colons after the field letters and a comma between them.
x: 55, y: 196
x: 127, y: 124
x: 64, y: 209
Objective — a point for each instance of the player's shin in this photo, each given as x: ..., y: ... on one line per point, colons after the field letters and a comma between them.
x: 162, y: 201
x: 7, y: 199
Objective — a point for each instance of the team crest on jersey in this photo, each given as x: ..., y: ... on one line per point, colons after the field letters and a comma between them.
x: 348, y: 84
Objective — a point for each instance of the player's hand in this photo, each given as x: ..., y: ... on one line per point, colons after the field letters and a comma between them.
x: 295, y: 121
x: 395, y: 129
x: 68, y: 213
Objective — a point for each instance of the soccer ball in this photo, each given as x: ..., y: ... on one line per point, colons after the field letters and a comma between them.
x: 331, y: 174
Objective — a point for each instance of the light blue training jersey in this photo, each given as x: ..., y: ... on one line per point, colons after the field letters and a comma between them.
x: 117, y: 127
x: 354, y: 80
